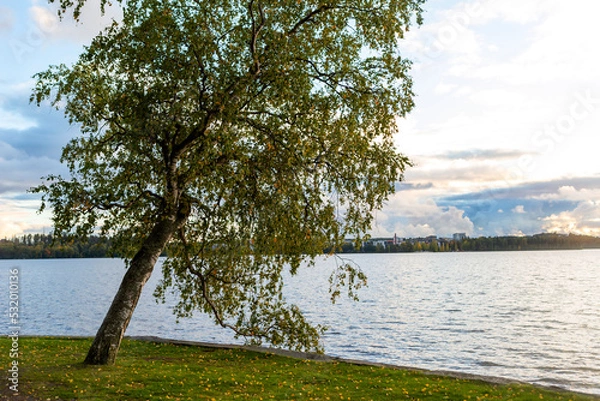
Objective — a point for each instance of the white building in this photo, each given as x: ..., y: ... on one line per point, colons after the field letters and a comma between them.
x: 459, y: 236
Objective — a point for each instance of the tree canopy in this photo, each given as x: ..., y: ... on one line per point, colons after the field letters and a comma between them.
x: 246, y: 136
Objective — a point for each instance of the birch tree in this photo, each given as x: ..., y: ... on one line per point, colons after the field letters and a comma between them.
x: 243, y: 137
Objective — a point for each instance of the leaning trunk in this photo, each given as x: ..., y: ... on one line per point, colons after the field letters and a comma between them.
x: 108, y: 339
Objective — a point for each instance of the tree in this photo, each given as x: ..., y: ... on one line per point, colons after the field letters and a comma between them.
x: 245, y: 137
x: 433, y: 246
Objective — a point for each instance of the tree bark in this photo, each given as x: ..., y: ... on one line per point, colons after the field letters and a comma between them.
x: 110, y: 334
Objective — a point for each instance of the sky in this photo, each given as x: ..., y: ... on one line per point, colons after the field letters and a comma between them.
x: 504, y: 136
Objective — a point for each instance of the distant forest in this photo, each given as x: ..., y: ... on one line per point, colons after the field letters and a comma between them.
x: 530, y: 243
x: 481, y: 244
x: 44, y: 246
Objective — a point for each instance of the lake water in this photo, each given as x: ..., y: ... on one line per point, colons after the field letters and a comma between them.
x: 530, y: 316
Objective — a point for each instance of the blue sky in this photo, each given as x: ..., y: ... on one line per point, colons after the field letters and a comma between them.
x: 505, y: 135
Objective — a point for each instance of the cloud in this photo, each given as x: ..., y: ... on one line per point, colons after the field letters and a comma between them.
x: 474, y: 171
x: 461, y: 34
x: 515, y: 89
x: 11, y: 120
x: 491, y: 148
x: 547, y: 53
x: 569, y: 192
x: 519, y: 209
x: 19, y: 216
x: 25, y: 171
x: 556, y: 205
x: 515, y: 11
x: 90, y: 24
x: 495, y: 98
x: 553, y: 46
x: 35, y: 131
x: 482, y: 154
x: 584, y: 187
x: 13, y: 116
x: 32, y: 148
x: 45, y: 19
x: 444, y: 39
x: 21, y: 171
x: 414, y: 213
x: 407, y: 186
x: 7, y: 19
x: 442, y: 88
x: 584, y: 220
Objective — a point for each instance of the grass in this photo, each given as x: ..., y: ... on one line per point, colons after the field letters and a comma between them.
x: 51, y: 369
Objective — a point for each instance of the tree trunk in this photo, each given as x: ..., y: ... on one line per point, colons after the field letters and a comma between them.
x: 108, y: 339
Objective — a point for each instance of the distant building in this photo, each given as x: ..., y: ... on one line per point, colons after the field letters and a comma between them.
x: 459, y: 236
x: 383, y: 242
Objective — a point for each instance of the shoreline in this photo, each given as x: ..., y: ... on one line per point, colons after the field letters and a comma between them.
x: 595, y: 248
x: 329, y: 359
x: 332, y: 359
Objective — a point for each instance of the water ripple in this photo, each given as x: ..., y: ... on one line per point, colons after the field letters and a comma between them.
x: 530, y: 316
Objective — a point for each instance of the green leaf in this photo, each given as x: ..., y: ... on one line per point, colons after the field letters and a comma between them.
x: 269, y: 123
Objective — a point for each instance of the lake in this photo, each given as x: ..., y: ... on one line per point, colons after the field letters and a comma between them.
x: 530, y: 316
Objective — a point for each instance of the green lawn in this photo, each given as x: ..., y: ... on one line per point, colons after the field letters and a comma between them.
x: 50, y: 369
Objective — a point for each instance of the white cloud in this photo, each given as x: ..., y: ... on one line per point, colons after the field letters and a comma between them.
x: 44, y: 18
x: 447, y: 33
x: 18, y: 212
x: 413, y: 213
x: 565, y: 42
x: 17, y: 217
x: 517, y: 11
x: 7, y: 19
x: 498, y: 97
x: 513, y: 96
x: 14, y: 121
x: 519, y: 209
x: 443, y: 89
x: 570, y: 193
x: 465, y: 174
x: 11, y: 119
x: 493, y: 74
x: 560, y: 41
x: 8, y: 152
x: 562, y: 45
x: 90, y: 24
x: 21, y: 176
x: 584, y: 219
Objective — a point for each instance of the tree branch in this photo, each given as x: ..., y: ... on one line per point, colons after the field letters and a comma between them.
x: 255, y: 32
x: 309, y: 17
x: 203, y: 285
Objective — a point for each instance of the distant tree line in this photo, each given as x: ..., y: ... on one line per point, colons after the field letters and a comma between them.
x: 530, y: 243
x: 545, y: 241
x: 46, y: 246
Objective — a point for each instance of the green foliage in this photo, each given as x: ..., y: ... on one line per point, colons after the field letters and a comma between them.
x: 537, y: 242
x: 529, y: 243
x: 40, y: 246
x: 49, y: 369
x: 267, y: 125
